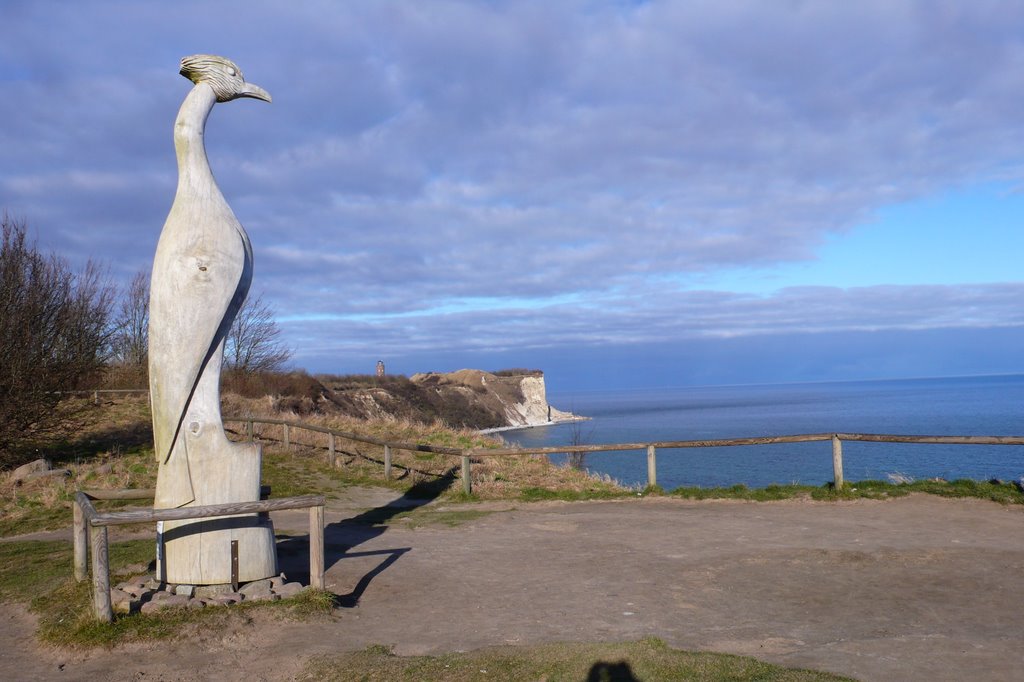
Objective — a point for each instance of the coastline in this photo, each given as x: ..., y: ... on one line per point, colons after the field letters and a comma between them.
x: 552, y: 422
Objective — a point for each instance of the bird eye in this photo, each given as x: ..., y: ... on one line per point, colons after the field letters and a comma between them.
x: 231, y: 71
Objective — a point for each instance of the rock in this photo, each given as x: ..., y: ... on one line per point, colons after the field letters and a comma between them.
x: 33, y: 467
x: 256, y: 588
x: 289, y: 590
x: 48, y: 474
x: 160, y: 597
x: 138, y: 582
x: 209, y: 591
x: 187, y: 590
x: 149, y: 607
x: 277, y: 581
x: 263, y: 596
x: 196, y: 604
x: 139, y: 569
x: 164, y: 600
x: 154, y: 584
x: 175, y: 600
x: 225, y: 599
x: 121, y: 601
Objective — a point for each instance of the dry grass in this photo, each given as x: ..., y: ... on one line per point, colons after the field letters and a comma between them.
x: 492, y: 477
x: 112, y: 448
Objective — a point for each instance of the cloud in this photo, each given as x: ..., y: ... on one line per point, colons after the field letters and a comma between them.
x: 612, y: 153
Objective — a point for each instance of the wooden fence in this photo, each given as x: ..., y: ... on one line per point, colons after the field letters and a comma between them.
x: 90, y: 532
x: 97, y: 392
x: 468, y: 454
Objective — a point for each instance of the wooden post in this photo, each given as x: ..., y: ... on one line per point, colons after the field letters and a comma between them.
x: 96, y: 397
x: 81, y: 544
x: 837, y: 462
x: 101, y: 575
x: 287, y: 443
x: 467, y: 484
x: 331, y: 449
x: 652, y: 469
x: 316, y: 547
x: 387, y: 462
x: 250, y: 430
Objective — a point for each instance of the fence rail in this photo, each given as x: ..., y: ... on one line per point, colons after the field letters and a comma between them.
x: 97, y: 392
x: 468, y: 454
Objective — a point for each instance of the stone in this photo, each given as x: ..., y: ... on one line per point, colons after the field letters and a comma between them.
x: 196, y: 604
x: 140, y: 569
x: 209, y: 591
x: 52, y: 473
x: 256, y: 588
x: 164, y: 600
x: 25, y: 470
x: 225, y: 599
x: 263, y: 596
x: 154, y: 584
x: 289, y: 590
x: 121, y: 601
x: 187, y: 590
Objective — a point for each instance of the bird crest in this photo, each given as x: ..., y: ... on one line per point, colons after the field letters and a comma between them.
x: 221, y: 74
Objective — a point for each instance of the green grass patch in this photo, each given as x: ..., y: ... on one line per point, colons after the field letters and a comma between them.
x: 39, y: 573
x: 534, y: 494
x: 1004, y: 493
x: 647, y: 659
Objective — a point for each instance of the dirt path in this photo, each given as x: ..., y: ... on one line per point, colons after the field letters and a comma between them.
x: 917, y: 588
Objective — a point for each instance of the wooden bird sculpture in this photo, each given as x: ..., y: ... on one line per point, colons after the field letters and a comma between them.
x: 201, y: 274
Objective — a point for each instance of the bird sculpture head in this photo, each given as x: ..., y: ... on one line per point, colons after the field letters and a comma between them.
x: 221, y: 74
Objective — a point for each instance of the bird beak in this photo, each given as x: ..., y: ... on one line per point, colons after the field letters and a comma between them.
x: 254, y: 91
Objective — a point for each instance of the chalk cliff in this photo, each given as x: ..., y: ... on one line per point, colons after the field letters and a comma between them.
x: 469, y: 397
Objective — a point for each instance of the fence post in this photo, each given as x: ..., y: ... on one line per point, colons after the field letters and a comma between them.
x: 287, y: 440
x: 316, y: 547
x: 387, y: 462
x: 467, y: 484
x: 250, y: 430
x: 101, y: 575
x: 330, y: 448
x: 652, y: 469
x: 81, y: 544
x: 96, y: 397
x: 837, y: 462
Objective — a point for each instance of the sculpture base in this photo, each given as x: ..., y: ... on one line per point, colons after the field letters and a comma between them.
x: 203, y: 552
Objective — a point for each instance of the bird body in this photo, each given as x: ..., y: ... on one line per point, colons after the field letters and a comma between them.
x: 201, y: 274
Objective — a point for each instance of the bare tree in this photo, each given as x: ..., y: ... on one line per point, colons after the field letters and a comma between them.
x: 130, y: 344
x: 254, y: 343
x: 53, y: 332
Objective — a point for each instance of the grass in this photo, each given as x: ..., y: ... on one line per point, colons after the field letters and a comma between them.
x: 647, y: 659
x: 39, y: 573
x: 536, y: 494
x: 1003, y: 493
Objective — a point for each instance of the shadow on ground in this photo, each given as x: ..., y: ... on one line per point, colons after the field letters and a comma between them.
x: 611, y: 672
x: 342, y: 537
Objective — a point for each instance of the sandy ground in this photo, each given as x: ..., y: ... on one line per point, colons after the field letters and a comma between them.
x: 918, y: 588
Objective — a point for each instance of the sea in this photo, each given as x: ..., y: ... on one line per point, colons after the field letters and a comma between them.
x: 958, y: 406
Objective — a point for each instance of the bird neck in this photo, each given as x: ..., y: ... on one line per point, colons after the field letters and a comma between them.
x: 194, y: 174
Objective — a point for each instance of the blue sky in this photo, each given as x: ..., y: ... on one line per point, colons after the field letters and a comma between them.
x: 621, y: 194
